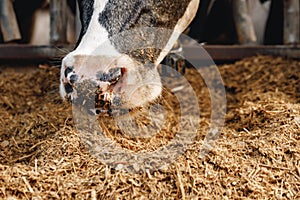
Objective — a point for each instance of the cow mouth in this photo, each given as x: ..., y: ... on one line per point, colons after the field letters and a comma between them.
x: 116, y: 92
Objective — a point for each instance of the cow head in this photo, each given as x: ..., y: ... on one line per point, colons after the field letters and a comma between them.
x: 116, y: 50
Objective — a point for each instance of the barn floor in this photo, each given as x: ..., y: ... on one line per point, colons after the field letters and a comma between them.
x: 256, y: 157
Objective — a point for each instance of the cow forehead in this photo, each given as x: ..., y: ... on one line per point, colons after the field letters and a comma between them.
x: 117, y: 17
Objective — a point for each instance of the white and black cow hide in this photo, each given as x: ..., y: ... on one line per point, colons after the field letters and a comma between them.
x: 126, y: 76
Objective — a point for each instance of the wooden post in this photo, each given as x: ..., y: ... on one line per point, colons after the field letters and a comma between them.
x: 291, y: 22
x: 58, y: 21
x: 8, y: 21
x: 243, y: 23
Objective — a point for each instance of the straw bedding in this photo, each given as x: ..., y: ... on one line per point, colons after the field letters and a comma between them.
x: 257, y: 155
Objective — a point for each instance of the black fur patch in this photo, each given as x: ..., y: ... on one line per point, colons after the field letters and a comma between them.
x: 121, y: 16
x: 86, y: 9
x: 68, y: 70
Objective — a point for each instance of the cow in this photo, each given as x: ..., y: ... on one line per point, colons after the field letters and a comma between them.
x: 125, y: 79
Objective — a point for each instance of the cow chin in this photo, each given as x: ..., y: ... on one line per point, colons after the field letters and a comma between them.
x: 116, y: 83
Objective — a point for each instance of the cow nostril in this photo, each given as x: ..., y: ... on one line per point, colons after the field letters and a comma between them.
x: 73, y: 78
x: 68, y: 70
x: 68, y: 88
x: 112, y: 76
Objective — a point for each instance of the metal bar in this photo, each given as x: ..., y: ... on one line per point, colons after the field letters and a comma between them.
x: 237, y: 52
x: 216, y: 52
x: 21, y: 52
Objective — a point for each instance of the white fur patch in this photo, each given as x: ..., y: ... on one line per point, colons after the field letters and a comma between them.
x: 95, y: 40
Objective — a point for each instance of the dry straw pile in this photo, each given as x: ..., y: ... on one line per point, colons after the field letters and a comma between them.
x: 257, y: 155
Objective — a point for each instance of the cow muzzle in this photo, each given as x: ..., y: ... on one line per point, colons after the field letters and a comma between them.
x: 108, y: 86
